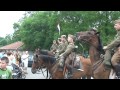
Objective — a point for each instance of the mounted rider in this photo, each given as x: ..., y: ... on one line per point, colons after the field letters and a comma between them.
x: 68, y: 50
x: 62, y: 46
x: 54, y: 46
x: 114, y: 45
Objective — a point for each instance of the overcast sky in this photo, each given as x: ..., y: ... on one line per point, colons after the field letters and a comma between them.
x: 7, y: 19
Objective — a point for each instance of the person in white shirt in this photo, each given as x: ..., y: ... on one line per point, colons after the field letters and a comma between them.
x: 24, y: 59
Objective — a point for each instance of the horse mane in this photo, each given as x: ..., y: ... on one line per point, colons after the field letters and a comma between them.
x: 44, y: 52
x: 47, y: 59
x: 100, y: 47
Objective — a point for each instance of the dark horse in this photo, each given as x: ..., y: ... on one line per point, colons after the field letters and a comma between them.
x: 53, y: 66
x: 93, y: 39
x: 43, y: 52
x: 50, y: 63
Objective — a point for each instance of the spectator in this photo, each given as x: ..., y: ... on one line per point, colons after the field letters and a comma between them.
x: 5, y: 73
x: 24, y: 59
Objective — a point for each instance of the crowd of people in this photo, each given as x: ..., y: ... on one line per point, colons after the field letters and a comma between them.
x: 7, y: 58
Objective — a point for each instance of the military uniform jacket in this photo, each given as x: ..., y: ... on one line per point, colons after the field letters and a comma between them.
x: 53, y: 47
x: 62, y: 47
x: 69, y: 49
x: 115, y: 42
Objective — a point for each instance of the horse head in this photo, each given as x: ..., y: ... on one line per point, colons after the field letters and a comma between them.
x: 41, y: 60
x: 86, y: 35
x: 91, y: 37
x: 37, y: 62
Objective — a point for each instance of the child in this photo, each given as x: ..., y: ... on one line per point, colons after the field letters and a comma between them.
x: 4, y: 72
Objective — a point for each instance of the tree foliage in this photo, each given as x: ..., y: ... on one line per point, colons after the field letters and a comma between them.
x: 39, y: 28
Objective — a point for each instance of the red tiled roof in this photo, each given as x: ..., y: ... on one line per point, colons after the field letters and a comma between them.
x: 15, y: 45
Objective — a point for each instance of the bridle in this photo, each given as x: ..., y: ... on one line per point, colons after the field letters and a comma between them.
x: 90, y: 43
x: 39, y: 67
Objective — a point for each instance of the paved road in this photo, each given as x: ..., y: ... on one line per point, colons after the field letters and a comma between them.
x: 38, y: 75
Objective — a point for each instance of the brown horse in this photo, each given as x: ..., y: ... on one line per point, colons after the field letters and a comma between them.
x: 76, y: 73
x: 93, y: 39
x: 50, y: 63
x: 87, y: 67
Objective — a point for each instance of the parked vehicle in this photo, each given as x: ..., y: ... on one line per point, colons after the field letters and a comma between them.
x: 30, y: 61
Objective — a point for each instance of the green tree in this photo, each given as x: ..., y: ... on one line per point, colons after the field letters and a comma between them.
x: 39, y: 28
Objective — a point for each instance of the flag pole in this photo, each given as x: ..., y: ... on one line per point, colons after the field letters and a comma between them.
x: 58, y: 26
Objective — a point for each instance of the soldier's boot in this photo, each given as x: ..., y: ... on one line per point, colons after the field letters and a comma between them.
x: 70, y: 73
x: 117, y: 70
x: 61, y: 63
x: 107, y: 60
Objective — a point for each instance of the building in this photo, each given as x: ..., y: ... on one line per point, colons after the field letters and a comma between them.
x: 13, y: 46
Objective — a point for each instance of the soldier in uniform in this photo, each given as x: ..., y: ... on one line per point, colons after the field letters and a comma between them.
x: 68, y: 50
x: 63, y: 45
x: 64, y: 39
x: 114, y: 45
x: 54, y: 46
x: 58, y: 48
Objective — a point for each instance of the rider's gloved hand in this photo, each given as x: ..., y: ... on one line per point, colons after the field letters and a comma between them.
x: 105, y: 47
